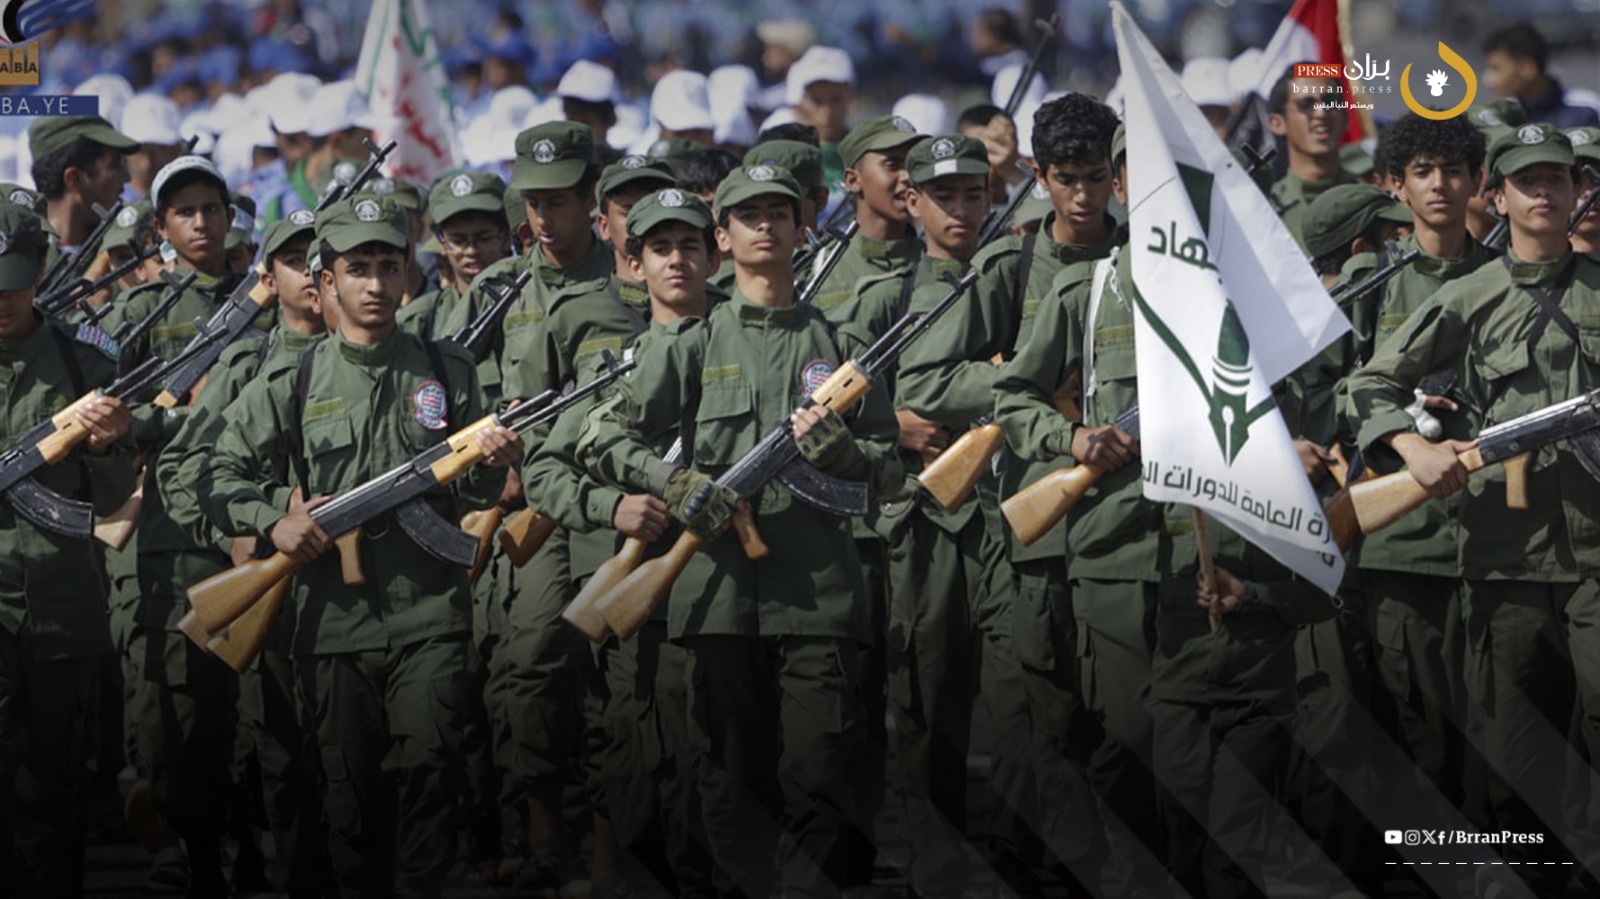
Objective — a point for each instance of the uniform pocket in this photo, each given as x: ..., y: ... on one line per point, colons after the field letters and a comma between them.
x: 724, y: 426
x: 342, y: 804
x: 330, y: 445
x: 1032, y: 626
x: 1502, y: 361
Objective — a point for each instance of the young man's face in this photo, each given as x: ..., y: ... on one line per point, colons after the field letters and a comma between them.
x: 102, y: 183
x: 240, y: 257
x: 473, y: 241
x: 1588, y: 230
x: 16, y: 314
x: 369, y: 281
x: 196, y: 224
x: 1539, y: 199
x: 612, y: 217
x: 880, y: 180
x: 559, y: 219
x: 136, y: 275
x: 674, y: 264
x: 761, y: 232
x: 1507, y: 75
x: 1079, y: 193
x: 951, y: 211
x: 1308, y: 130
x: 825, y: 106
x: 289, y: 276
x: 1438, y: 191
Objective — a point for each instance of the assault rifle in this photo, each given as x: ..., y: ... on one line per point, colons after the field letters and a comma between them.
x: 1048, y: 30
x: 63, y: 298
x: 1382, y: 501
x: 48, y: 442
x: 221, y: 601
x: 630, y: 603
x: 67, y: 264
x: 835, y: 251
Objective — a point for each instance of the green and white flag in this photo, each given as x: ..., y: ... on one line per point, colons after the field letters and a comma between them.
x: 402, y: 76
x: 1227, y: 306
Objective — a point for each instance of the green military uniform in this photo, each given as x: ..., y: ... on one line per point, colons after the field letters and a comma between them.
x: 775, y: 707
x: 54, y: 626
x: 383, y: 666
x: 1530, y: 601
x: 269, y: 714
x: 1121, y: 547
x: 452, y: 195
x: 865, y: 256
x: 1293, y: 195
x: 52, y: 135
x: 1223, y: 704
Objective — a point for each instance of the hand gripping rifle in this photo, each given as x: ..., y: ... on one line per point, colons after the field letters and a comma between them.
x: 48, y: 442
x: 996, y: 223
x: 67, y: 262
x: 220, y: 601
x: 629, y: 604
x: 1382, y: 501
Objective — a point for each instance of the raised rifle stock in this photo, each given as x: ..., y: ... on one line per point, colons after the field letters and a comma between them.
x: 482, y: 524
x: 116, y: 529
x: 583, y: 612
x: 955, y: 473
x: 217, y: 602
x: 1035, y: 509
x: 524, y: 535
x: 631, y: 602
x: 240, y: 642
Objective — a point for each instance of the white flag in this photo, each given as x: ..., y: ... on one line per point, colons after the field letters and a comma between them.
x: 403, y: 78
x: 1226, y: 307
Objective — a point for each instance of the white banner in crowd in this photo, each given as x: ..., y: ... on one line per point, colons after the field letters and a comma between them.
x: 403, y: 78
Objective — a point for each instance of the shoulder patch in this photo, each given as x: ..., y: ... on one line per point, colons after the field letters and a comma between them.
x: 89, y: 335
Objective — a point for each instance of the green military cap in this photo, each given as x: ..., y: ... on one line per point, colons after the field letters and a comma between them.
x: 748, y: 182
x: 22, y: 245
x: 802, y: 160
x: 1119, y: 143
x: 947, y: 154
x: 1355, y: 160
x: 1341, y: 213
x: 297, y: 223
x: 673, y: 150
x: 516, y: 212
x: 402, y: 191
x: 1585, y: 143
x: 552, y: 156
x: 1497, y: 114
x: 352, y: 222
x: 243, y: 226
x: 1035, y: 207
x: 467, y: 192
x: 22, y: 196
x: 314, y: 256
x: 655, y: 173
x: 1517, y: 149
x: 51, y: 134
x: 875, y: 135
x: 669, y: 205
x: 130, y: 219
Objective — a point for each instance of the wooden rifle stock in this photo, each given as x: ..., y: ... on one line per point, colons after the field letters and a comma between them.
x: 1383, y: 501
x: 628, y: 607
x: 524, y: 534
x: 116, y: 529
x: 952, y: 477
x: 240, y: 642
x: 583, y: 612
x: 482, y: 525
x: 1035, y: 509
x: 219, y: 601
x: 349, y: 547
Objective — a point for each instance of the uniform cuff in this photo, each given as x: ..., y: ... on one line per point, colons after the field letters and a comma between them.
x: 1374, y: 429
x: 600, y: 506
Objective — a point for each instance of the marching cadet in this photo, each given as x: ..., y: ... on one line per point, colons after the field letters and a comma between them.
x: 78, y: 162
x: 874, y: 156
x: 269, y: 719
x: 1586, y: 147
x: 1411, y: 570
x: 53, y: 615
x: 382, y: 666
x: 804, y: 162
x: 1518, y: 334
x: 131, y: 235
x: 775, y: 705
x: 640, y: 784
x: 1120, y: 546
x: 1311, y: 128
x: 948, y: 374
x: 469, y: 221
x: 185, y: 740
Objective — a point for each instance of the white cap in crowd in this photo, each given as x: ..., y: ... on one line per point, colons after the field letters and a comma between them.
x: 783, y: 115
x: 733, y: 90
x: 679, y: 101
x: 286, y: 100
x: 337, y: 106
x: 926, y: 113
x: 590, y: 82
x: 151, y: 119
x: 1244, y: 72
x: 1005, y: 81
x: 114, y: 92
x: 1205, y: 80
x: 828, y: 64
x: 201, y: 127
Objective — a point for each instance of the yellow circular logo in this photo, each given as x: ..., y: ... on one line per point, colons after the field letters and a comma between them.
x: 1437, y: 80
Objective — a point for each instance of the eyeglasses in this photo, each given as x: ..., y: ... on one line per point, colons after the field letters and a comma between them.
x: 482, y: 240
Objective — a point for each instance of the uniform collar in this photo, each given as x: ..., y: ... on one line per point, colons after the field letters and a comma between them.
x: 373, y: 356
x: 756, y: 315
x: 1442, y: 268
x: 1536, y: 274
x: 896, y: 252
x: 294, y: 340
x: 1073, y: 252
x: 595, y: 264
x: 1295, y: 186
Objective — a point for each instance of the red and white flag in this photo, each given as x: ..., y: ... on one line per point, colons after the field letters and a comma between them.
x: 1313, y: 31
x: 403, y: 78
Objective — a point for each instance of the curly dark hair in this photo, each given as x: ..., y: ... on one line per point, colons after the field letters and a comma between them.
x: 1075, y: 128
x: 1448, y: 141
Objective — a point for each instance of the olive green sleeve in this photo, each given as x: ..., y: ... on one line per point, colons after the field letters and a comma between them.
x: 558, y: 486
x: 1047, y: 356
x: 237, y: 484
x: 480, y: 487
x: 946, y: 374
x: 657, y: 397
x: 1433, y: 337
